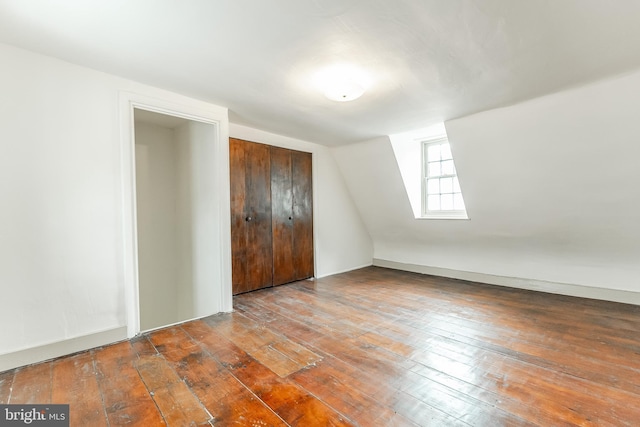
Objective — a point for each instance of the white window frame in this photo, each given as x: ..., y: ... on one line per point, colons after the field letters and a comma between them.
x: 436, y: 214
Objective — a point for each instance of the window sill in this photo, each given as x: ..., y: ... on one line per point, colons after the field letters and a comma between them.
x: 445, y: 215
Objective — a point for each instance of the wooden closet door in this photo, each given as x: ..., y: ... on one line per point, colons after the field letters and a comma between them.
x: 251, y: 250
x: 302, y: 214
x: 284, y: 270
x: 292, y: 215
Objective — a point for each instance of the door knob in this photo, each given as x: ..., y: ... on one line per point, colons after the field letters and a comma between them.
x: 290, y: 218
x: 248, y: 219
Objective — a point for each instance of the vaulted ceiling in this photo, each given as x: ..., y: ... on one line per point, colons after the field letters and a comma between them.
x: 426, y: 61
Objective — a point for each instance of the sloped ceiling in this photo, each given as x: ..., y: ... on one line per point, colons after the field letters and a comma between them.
x: 550, y: 186
x: 428, y: 60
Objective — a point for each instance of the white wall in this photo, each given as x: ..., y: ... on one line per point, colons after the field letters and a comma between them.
x: 551, y: 189
x: 341, y: 240
x: 199, y: 224
x: 62, y: 263
x: 158, y: 216
x: 184, y: 251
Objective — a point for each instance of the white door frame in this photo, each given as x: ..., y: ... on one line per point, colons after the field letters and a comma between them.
x: 191, y: 110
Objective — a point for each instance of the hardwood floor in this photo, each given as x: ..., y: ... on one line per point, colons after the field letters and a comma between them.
x: 372, y: 347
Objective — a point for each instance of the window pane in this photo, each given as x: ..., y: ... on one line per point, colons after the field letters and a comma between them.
x: 446, y: 202
x: 446, y: 185
x: 447, y: 168
x: 433, y: 152
x: 433, y: 203
x: 434, y: 169
x: 445, y: 151
x: 456, y: 185
x: 458, y: 203
x: 433, y: 186
x: 442, y: 192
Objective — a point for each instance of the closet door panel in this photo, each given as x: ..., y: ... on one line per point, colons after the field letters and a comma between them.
x: 237, y: 161
x: 252, y: 257
x: 302, y: 214
x: 282, y: 216
x: 258, y: 219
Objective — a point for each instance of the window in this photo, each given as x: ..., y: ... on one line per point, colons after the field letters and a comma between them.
x: 441, y: 194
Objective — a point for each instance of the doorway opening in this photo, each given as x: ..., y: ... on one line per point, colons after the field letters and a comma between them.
x: 177, y: 219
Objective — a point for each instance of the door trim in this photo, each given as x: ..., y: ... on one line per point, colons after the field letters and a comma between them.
x: 191, y: 110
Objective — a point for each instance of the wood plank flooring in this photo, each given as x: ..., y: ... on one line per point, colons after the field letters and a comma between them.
x: 372, y: 347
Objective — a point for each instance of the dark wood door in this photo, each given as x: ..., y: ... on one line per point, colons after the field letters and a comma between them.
x: 302, y: 214
x: 292, y: 215
x: 284, y: 270
x: 252, y: 257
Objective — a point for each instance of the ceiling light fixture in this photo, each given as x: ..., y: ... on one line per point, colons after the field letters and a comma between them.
x: 341, y: 82
x: 343, y: 91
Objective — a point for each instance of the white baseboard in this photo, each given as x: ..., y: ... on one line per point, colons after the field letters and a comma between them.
x: 61, y: 348
x: 614, y: 295
x: 343, y: 271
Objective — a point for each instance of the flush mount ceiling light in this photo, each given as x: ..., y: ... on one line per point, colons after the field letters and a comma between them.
x: 341, y: 82
x: 344, y: 91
